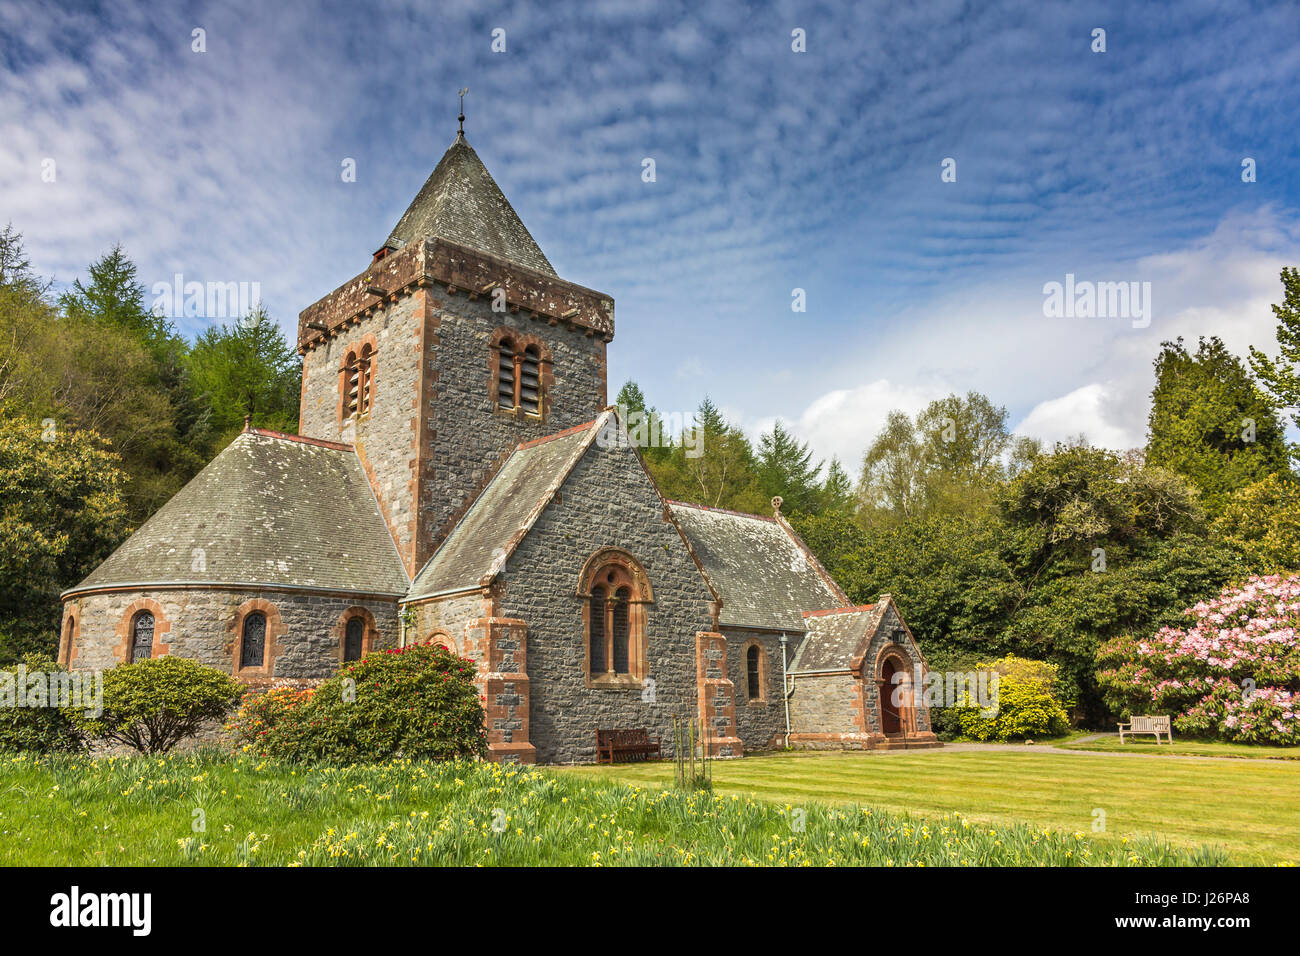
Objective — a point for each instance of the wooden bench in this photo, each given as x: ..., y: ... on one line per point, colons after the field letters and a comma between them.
x: 618, y: 746
x: 1148, y: 725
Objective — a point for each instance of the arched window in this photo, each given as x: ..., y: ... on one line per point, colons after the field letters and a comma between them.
x: 354, y: 637
x: 252, y: 649
x: 596, y: 631
x: 617, y: 599
x: 530, y: 381
x: 506, y: 374
x: 754, y: 672
x: 141, y: 637
x: 65, y: 646
x: 618, y: 631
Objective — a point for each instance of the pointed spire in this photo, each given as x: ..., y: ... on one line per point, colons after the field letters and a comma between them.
x: 462, y: 203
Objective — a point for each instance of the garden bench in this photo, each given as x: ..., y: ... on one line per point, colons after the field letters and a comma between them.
x: 617, y: 746
x: 1148, y: 725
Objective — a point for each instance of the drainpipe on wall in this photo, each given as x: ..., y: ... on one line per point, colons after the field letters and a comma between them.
x: 785, y: 688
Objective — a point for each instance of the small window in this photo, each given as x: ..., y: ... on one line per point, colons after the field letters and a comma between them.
x: 753, y: 672
x: 252, y: 651
x: 530, y: 381
x: 142, y: 637
x: 597, y: 638
x: 354, y: 639
x: 506, y: 374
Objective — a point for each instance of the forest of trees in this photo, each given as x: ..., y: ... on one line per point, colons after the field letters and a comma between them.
x: 990, y: 542
x: 106, y: 412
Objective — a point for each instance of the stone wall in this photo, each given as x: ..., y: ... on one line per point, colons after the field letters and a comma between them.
x: 607, y: 502
x: 469, y: 435
x: 760, y: 722
x: 201, y: 624
x: 433, y: 421
x: 385, y: 436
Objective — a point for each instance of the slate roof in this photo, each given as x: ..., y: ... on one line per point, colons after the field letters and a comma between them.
x: 271, y: 509
x: 484, y: 538
x: 461, y: 202
x: 758, y: 568
x: 835, y: 636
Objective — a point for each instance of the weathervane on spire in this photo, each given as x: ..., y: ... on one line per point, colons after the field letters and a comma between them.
x: 461, y: 118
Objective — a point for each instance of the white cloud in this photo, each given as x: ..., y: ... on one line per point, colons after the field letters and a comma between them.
x: 1086, y: 411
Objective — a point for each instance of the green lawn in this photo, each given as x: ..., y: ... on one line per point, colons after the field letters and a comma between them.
x: 206, y: 808
x: 1179, y: 748
x: 1250, y: 807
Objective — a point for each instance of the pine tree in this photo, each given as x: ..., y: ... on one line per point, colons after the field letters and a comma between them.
x: 785, y: 467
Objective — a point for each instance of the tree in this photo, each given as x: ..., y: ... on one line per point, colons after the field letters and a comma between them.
x: 836, y: 492
x: 123, y: 375
x: 893, y: 471
x: 1210, y: 423
x: 16, y: 272
x: 61, y: 513
x: 1282, y: 376
x: 247, y: 369
x: 785, y: 467
x: 950, y: 458
x: 1261, y: 524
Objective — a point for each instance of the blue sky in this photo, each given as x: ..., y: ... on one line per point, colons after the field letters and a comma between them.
x: 775, y: 170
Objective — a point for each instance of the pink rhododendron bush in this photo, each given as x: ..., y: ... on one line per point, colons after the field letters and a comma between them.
x: 1232, y: 673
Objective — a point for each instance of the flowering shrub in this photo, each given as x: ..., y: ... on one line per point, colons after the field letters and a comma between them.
x: 417, y: 702
x: 1025, y: 705
x: 1232, y: 673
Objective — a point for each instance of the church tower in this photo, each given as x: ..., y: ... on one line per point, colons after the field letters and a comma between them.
x: 456, y: 344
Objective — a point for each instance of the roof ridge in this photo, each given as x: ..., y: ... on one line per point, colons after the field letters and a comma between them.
x: 840, y: 610
x: 300, y: 439
x: 724, y: 511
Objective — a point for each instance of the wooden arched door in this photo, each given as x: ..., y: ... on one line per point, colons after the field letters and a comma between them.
x: 891, y: 718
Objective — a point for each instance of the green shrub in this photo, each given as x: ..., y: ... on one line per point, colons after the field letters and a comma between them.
x: 152, y: 705
x: 1026, y: 703
x: 39, y: 729
x: 417, y: 702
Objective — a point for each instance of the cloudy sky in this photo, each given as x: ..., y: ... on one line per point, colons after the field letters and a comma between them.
x: 775, y: 170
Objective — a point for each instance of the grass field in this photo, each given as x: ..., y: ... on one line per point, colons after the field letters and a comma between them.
x: 221, y: 810
x: 1250, y: 807
x: 1180, y: 748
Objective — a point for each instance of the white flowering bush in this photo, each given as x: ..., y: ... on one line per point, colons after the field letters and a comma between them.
x: 1232, y: 673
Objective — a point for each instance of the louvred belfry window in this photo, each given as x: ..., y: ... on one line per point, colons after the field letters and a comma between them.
x: 142, y: 637
x: 351, y: 386
x: 530, y: 381
x: 253, y: 647
x: 505, y: 374
x: 365, y: 376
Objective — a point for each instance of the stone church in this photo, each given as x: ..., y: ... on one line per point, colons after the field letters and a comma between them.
x: 459, y: 479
